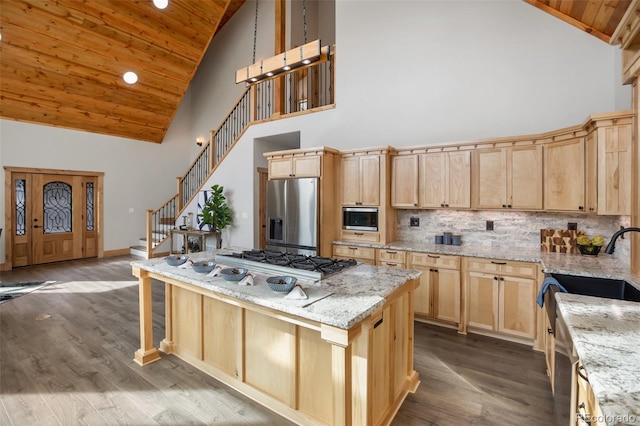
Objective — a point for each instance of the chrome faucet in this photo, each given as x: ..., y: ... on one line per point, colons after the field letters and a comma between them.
x: 612, y: 244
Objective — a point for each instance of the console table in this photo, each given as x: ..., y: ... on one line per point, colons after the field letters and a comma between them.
x: 202, y: 238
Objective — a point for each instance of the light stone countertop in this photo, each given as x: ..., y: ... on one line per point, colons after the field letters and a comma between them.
x: 356, y: 292
x: 606, y: 336
x: 602, y: 266
x: 605, y: 332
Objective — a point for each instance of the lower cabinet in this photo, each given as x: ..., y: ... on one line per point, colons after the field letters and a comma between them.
x: 587, y: 409
x: 501, y: 296
x: 390, y: 258
x: 366, y: 255
x: 438, y: 295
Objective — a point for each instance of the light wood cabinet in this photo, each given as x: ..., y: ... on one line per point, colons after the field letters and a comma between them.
x: 608, y: 169
x: 501, y: 296
x: 360, y: 180
x: 390, y: 258
x: 587, y: 409
x: 438, y: 295
x: 564, y: 175
x: 405, y: 181
x: 294, y: 167
x: 366, y: 255
x: 362, y: 236
x: 509, y: 178
x: 432, y: 180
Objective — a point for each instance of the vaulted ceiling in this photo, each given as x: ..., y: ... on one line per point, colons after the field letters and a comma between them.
x: 62, y: 61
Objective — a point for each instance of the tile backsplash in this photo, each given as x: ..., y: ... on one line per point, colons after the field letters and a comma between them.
x: 511, y: 229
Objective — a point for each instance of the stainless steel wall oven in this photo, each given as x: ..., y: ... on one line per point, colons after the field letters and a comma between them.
x: 360, y: 218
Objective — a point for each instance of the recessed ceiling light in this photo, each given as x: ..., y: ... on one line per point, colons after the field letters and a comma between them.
x: 130, y: 77
x: 161, y: 4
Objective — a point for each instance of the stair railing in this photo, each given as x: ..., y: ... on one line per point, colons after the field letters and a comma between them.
x: 306, y: 89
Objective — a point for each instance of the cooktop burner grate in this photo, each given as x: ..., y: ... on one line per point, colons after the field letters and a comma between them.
x: 318, y: 265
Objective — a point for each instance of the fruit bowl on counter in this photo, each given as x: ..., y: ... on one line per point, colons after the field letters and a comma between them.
x: 590, y: 246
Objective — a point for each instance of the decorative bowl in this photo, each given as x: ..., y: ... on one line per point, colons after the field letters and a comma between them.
x: 233, y: 274
x: 589, y: 250
x: 204, y: 266
x: 282, y: 284
x: 176, y: 259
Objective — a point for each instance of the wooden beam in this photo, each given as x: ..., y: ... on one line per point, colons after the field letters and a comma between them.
x: 280, y: 29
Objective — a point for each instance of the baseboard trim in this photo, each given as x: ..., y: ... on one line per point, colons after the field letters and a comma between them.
x: 119, y: 252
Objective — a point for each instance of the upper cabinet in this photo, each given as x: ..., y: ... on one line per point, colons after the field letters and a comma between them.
x: 608, y: 157
x: 509, y: 177
x: 432, y: 180
x: 361, y: 179
x: 564, y: 175
x: 294, y: 165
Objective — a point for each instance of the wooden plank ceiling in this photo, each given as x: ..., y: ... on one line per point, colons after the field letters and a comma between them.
x: 62, y: 61
x: 599, y: 18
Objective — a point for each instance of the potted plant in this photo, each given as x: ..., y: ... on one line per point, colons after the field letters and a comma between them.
x: 215, y: 213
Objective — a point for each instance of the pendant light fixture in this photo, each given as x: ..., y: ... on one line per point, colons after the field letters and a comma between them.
x: 283, y: 62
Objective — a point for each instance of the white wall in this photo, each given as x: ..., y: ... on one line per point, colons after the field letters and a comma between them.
x: 138, y: 175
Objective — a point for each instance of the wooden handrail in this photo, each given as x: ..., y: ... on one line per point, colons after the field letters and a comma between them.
x: 254, y: 106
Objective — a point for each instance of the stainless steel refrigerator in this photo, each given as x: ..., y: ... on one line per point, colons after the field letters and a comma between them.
x: 292, y: 215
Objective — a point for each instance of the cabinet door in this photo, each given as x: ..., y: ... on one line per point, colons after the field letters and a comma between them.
x: 491, y: 179
x: 280, y: 168
x: 306, y: 166
x: 458, y: 179
x: 564, y: 167
x: 422, y: 300
x: 550, y: 351
x: 524, y: 170
x: 614, y: 170
x: 517, y: 306
x: 482, y: 308
x: 350, y: 181
x: 404, y: 181
x: 446, y: 295
x: 432, y: 180
x: 370, y: 180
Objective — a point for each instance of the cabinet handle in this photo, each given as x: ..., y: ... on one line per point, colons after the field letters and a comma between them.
x: 501, y: 278
x: 498, y: 263
x: 582, y: 376
x: 495, y: 278
x: 580, y: 207
x: 549, y: 330
x: 391, y: 264
x: 509, y: 205
x: 291, y: 175
x: 352, y: 248
x: 380, y: 321
x: 504, y: 206
x: 446, y: 205
x: 358, y: 233
x: 436, y: 271
x: 391, y: 252
x: 433, y: 256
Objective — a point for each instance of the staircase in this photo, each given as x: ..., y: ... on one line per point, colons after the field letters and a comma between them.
x: 305, y: 90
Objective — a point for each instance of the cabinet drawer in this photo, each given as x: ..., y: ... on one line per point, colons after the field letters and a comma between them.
x: 390, y: 264
x: 393, y: 256
x: 354, y: 252
x: 437, y: 260
x: 370, y: 237
x: 507, y: 267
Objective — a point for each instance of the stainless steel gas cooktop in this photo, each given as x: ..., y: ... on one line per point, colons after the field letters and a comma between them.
x: 310, y: 267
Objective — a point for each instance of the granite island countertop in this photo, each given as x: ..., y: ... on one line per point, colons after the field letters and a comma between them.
x: 355, y: 293
x: 606, y: 336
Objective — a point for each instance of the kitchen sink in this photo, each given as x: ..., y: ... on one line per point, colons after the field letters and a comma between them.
x: 599, y: 287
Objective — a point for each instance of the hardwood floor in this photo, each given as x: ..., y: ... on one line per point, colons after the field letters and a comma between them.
x: 76, y: 366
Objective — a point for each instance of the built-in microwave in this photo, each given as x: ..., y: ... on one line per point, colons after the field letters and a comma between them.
x: 360, y: 218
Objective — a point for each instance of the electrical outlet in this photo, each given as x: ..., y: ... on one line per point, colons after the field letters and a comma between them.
x: 414, y: 221
x: 489, y: 225
x: 572, y: 226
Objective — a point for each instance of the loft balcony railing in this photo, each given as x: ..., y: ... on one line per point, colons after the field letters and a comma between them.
x: 298, y: 91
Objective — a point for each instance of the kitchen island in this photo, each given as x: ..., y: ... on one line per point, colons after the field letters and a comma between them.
x: 345, y: 358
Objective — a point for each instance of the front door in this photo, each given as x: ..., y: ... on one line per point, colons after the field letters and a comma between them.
x: 54, y: 218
